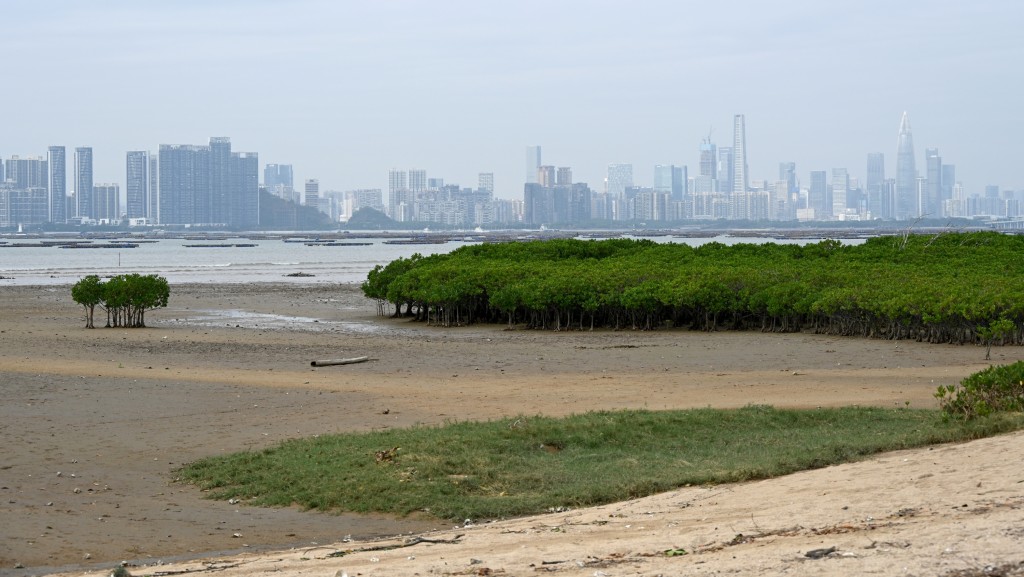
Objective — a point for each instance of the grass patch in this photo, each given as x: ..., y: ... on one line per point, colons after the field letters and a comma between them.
x: 526, y: 465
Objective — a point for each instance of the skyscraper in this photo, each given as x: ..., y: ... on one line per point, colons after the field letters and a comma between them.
x: 107, y: 202
x: 485, y: 182
x: 876, y: 186
x: 153, y: 201
x: 787, y: 174
x: 532, y: 163
x: 948, y: 180
x: 136, y: 184
x: 933, y: 190
x: 620, y: 177
x: 278, y: 179
x: 83, y: 182
x: 670, y: 179
x: 708, y: 158
x: 840, y: 189
x: 244, y: 211
x: 906, y: 173
x: 312, y: 192
x: 563, y: 176
x: 417, y: 180
x: 26, y: 173
x: 220, y: 208
x: 399, y: 197
x: 739, y: 155
x: 740, y: 201
x: 818, y: 197
x: 208, y: 185
x: 184, y: 184
x: 546, y: 175
x: 725, y: 175
x: 57, y: 184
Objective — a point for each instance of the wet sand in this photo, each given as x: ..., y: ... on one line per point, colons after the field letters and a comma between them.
x: 93, y: 423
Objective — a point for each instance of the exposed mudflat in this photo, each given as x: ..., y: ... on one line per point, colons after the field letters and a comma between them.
x: 93, y: 424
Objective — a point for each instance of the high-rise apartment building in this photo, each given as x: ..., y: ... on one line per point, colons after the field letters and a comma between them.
x: 546, y: 175
x: 485, y: 182
x: 208, y: 185
x: 83, y: 183
x: 153, y: 201
x: 57, y: 184
x: 107, y: 202
x: 906, y: 173
x: 620, y: 177
x: 417, y: 180
x: 184, y: 184
x: 136, y: 184
x: 563, y: 176
x: 399, y: 197
x: 244, y: 210
x: 532, y: 164
x: 221, y: 205
x: 26, y: 173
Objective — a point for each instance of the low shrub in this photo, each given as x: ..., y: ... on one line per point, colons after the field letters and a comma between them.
x: 995, y: 389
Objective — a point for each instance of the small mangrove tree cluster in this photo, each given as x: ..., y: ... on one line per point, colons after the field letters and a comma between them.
x: 944, y: 288
x: 125, y: 298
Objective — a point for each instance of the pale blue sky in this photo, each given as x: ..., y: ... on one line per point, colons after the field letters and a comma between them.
x: 346, y: 90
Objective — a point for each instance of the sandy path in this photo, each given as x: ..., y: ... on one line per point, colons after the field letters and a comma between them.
x: 227, y: 368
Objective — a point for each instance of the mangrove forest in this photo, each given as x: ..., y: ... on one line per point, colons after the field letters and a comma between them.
x: 942, y: 288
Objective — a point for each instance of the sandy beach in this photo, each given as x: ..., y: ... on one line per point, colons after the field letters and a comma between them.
x: 93, y: 424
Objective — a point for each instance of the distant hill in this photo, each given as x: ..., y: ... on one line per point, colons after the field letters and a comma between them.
x: 371, y: 219
x: 279, y: 214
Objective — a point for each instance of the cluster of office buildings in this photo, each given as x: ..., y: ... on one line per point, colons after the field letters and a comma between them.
x: 722, y: 189
x: 180, y: 185
x: 210, y: 185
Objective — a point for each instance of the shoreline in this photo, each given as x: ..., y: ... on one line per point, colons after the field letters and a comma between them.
x: 121, y: 408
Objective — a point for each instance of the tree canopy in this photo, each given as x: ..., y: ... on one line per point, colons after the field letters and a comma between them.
x: 126, y: 298
x: 952, y: 287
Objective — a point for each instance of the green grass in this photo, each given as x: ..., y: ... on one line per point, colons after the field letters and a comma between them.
x: 526, y: 465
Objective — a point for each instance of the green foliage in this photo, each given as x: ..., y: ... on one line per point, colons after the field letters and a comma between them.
x: 956, y: 288
x: 126, y: 298
x: 88, y: 292
x: 526, y: 465
x: 995, y: 389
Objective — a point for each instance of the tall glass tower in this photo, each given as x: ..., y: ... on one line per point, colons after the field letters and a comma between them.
x: 906, y: 174
x: 137, y: 183
x: 83, y: 182
x: 57, y: 184
x: 876, y: 185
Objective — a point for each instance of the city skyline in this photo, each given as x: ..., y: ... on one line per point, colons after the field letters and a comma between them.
x: 344, y: 91
x: 211, y: 185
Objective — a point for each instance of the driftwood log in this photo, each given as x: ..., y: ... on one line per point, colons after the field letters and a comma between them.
x: 331, y: 362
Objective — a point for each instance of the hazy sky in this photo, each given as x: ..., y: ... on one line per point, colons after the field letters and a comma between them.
x: 345, y: 90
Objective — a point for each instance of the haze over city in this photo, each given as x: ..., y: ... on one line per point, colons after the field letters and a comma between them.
x: 345, y: 91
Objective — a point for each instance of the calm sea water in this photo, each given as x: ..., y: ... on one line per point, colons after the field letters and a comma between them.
x: 268, y: 261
